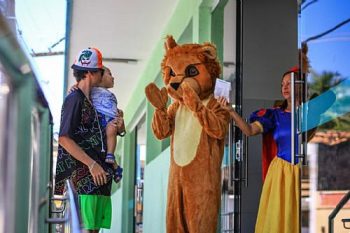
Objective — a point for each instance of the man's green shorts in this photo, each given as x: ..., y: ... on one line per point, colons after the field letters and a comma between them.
x: 96, y: 211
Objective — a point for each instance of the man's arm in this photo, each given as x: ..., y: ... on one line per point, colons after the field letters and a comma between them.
x: 97, y: 172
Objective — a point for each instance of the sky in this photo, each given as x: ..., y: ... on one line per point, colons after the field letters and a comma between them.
x: 331, y: 52
x: 41, y: 24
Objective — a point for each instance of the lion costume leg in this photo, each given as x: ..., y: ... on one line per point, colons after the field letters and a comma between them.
x: 194, y: 196
x: 202, y: 208
x: 175, y: 218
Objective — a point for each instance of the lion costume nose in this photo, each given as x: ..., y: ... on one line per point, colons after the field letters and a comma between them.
x: 175, y: 85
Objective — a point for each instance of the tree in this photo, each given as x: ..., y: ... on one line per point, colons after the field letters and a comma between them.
x: 320, y: 84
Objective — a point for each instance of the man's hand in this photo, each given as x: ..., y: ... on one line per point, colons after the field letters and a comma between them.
x: 120, y: 123
x: 73, y: 88
x: 98, y: 174
x: 117, y: 126
x: 120, y: 113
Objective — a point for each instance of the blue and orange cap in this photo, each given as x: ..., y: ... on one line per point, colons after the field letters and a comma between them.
x: 89, y: 59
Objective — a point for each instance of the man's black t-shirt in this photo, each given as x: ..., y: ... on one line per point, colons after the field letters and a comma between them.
x: 80, y: 123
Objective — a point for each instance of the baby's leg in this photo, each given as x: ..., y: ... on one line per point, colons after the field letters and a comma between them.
x: 111, y: 134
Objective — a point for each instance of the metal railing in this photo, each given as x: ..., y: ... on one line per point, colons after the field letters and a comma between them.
x: 68, y: 219
x: 336, y: 210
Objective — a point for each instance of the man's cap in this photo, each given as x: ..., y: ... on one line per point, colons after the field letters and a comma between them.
x: 89, y: 59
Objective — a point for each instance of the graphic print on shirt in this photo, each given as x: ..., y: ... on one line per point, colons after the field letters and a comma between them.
x: 80, y: 122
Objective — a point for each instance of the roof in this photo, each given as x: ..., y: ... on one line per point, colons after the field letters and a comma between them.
x: 125, y: 32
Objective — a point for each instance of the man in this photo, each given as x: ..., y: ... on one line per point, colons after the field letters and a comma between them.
x: 82, y: 146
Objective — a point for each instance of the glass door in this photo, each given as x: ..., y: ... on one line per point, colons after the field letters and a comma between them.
x: 325, y: 27
x: 232, y: 176
x: 139, y: 173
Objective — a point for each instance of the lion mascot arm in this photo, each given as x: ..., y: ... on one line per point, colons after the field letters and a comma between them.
x: 214, y: 120
x: 163, y: 118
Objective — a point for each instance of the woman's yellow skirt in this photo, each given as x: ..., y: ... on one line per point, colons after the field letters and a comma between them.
x: 279, y: 201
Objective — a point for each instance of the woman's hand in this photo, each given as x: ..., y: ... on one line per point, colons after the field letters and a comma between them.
x: 224, y: 104
x: 98, y: 174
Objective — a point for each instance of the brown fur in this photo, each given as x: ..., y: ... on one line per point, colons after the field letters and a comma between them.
x: 205, y: 54
x: 194, y: 179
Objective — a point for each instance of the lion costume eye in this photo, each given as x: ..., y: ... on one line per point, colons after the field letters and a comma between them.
x: 172, y: 74
x: 191, y: 71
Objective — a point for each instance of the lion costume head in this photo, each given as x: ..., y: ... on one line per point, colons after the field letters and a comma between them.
x: 194, y: 64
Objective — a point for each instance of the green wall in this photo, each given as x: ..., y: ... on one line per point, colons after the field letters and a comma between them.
x: 128, y: 182
x: 155, y: 193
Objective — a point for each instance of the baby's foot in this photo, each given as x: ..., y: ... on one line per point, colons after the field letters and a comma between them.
x: 118, y: 174
x: 110, y: 158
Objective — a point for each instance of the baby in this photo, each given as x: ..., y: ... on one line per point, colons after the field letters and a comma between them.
x: 105, y: 103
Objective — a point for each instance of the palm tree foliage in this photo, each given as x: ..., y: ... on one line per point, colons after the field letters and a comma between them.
x: 319, y: 84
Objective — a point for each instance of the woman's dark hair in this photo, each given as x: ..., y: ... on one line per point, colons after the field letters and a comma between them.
x: 79, y: 74
x: 296, y: 74
x: 284, y: 104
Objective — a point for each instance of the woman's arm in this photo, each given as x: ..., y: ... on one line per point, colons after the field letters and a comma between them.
x: 252, y: 129
x: 248, y: 129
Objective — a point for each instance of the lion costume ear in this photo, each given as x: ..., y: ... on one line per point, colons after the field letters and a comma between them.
x: 169, y: 43
x: 209, y: 50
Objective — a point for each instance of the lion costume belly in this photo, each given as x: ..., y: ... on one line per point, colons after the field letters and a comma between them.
x: 185, y: 147
x: 194, y: 179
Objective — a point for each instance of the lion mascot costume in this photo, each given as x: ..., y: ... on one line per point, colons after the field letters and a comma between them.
x: 197, y: 125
